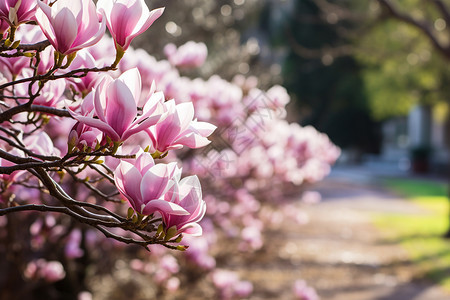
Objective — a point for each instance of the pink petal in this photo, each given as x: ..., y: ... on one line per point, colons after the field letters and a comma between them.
x: 65, y: 27
x: 191, y: 228
x: 139, y: 125
x: 120, y: 107
x: 193, y: 140
x: 152, y: 17
x: 185, y: 113
x: 164, y: 207
x: 42, y: 16
x: 155, y: 182
x: 132, y: 79
x: 96, y: 123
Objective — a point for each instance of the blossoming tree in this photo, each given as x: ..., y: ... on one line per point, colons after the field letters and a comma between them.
x: 93, y: 134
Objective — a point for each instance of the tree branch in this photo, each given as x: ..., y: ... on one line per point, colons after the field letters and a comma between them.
x: 423, y: 26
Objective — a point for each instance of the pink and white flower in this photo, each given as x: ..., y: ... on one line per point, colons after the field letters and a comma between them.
x: 188, y: 195
x: 15, y: 12
x: 126, y: 19
x: 115, y: 110
x: 189, y: 55
x: 70, y: 25
x: 145, y: 184
x: 179, y: 129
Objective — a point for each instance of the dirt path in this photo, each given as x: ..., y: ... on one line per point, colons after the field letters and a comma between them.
x: 340, y: 252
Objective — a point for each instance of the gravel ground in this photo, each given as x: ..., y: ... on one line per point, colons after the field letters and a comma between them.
x: 339, y: 252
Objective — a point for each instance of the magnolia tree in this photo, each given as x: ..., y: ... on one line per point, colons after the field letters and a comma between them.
x: 92, y: 137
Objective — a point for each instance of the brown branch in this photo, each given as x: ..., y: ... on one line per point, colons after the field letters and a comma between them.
x: 423, y: 26
x: 443, y: 9
x: 40, y: 46
x: 50, y: 110
x: 79, y: 73
x: 319, y: 53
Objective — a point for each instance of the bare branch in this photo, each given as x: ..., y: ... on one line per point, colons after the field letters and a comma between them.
x: 443, y: 9
x: 423, y: 26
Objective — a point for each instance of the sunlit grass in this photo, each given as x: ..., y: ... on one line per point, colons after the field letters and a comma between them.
x: 421, y: 234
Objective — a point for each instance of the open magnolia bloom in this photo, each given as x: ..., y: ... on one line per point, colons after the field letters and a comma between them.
x: 15, y: 12
x: 151, y: 188
x: 126, y: 19
x: 145, y: 184
x: 187, y: 194
x: 115, y: 110
x: 70, y: 25
x: 179, y: 129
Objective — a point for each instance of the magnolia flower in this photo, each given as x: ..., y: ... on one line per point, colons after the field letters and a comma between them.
x: 13, y: 66
x: 50, y: 95
x: 40, y: 143
x: 84, y: 136
x: 70, y: 25
x: 115, y: 110
x: 304, y: 292
x: 179, y: 129
x: 126, y: 19
x: 6, y: 163
x: 50, y: 271
x: 188, y: 195
x: 15, y: 12
x: 191, y: 54
x: 84, y: 84
x: 145, y: 184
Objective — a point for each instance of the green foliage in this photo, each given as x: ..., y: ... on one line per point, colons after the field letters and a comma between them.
x: 402, y: 68
x: 421, y: 234
x: 417, y: 188
x: 329, y: 87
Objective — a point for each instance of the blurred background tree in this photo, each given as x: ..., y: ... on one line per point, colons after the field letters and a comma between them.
x: 349, y: 65
x: 323, y: 74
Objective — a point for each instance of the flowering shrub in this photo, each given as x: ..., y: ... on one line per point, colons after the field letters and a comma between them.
x: 95, y: 137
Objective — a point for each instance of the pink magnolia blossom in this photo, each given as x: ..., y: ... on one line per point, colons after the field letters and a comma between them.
x: 86, y: 83
x: 179, y: 129
x: 70, y: 25
x: 3, y: 28
x: 40, y: 143
x: 72, y: 248
x: 6, y: 163
x: 13, y: 66
x: 188, y: 195
x: 304, y: 292
x: 15, y: 12
x: 126, y: 19
x: 145, y: 184
x: 84, y: 136
x: 191, y: 54
x: 50, y: 271
x: 50, y: 95
x: 115, y: 110
x: 230, y: 286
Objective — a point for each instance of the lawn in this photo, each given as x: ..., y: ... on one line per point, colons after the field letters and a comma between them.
x: 421, y: 235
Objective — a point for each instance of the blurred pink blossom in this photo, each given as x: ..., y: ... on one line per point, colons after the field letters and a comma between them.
x: 304, y: 292
x: 189, y: 55
x: 50, y: 271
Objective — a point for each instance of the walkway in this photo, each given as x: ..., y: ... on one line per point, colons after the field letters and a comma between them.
x: 339, y: 251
